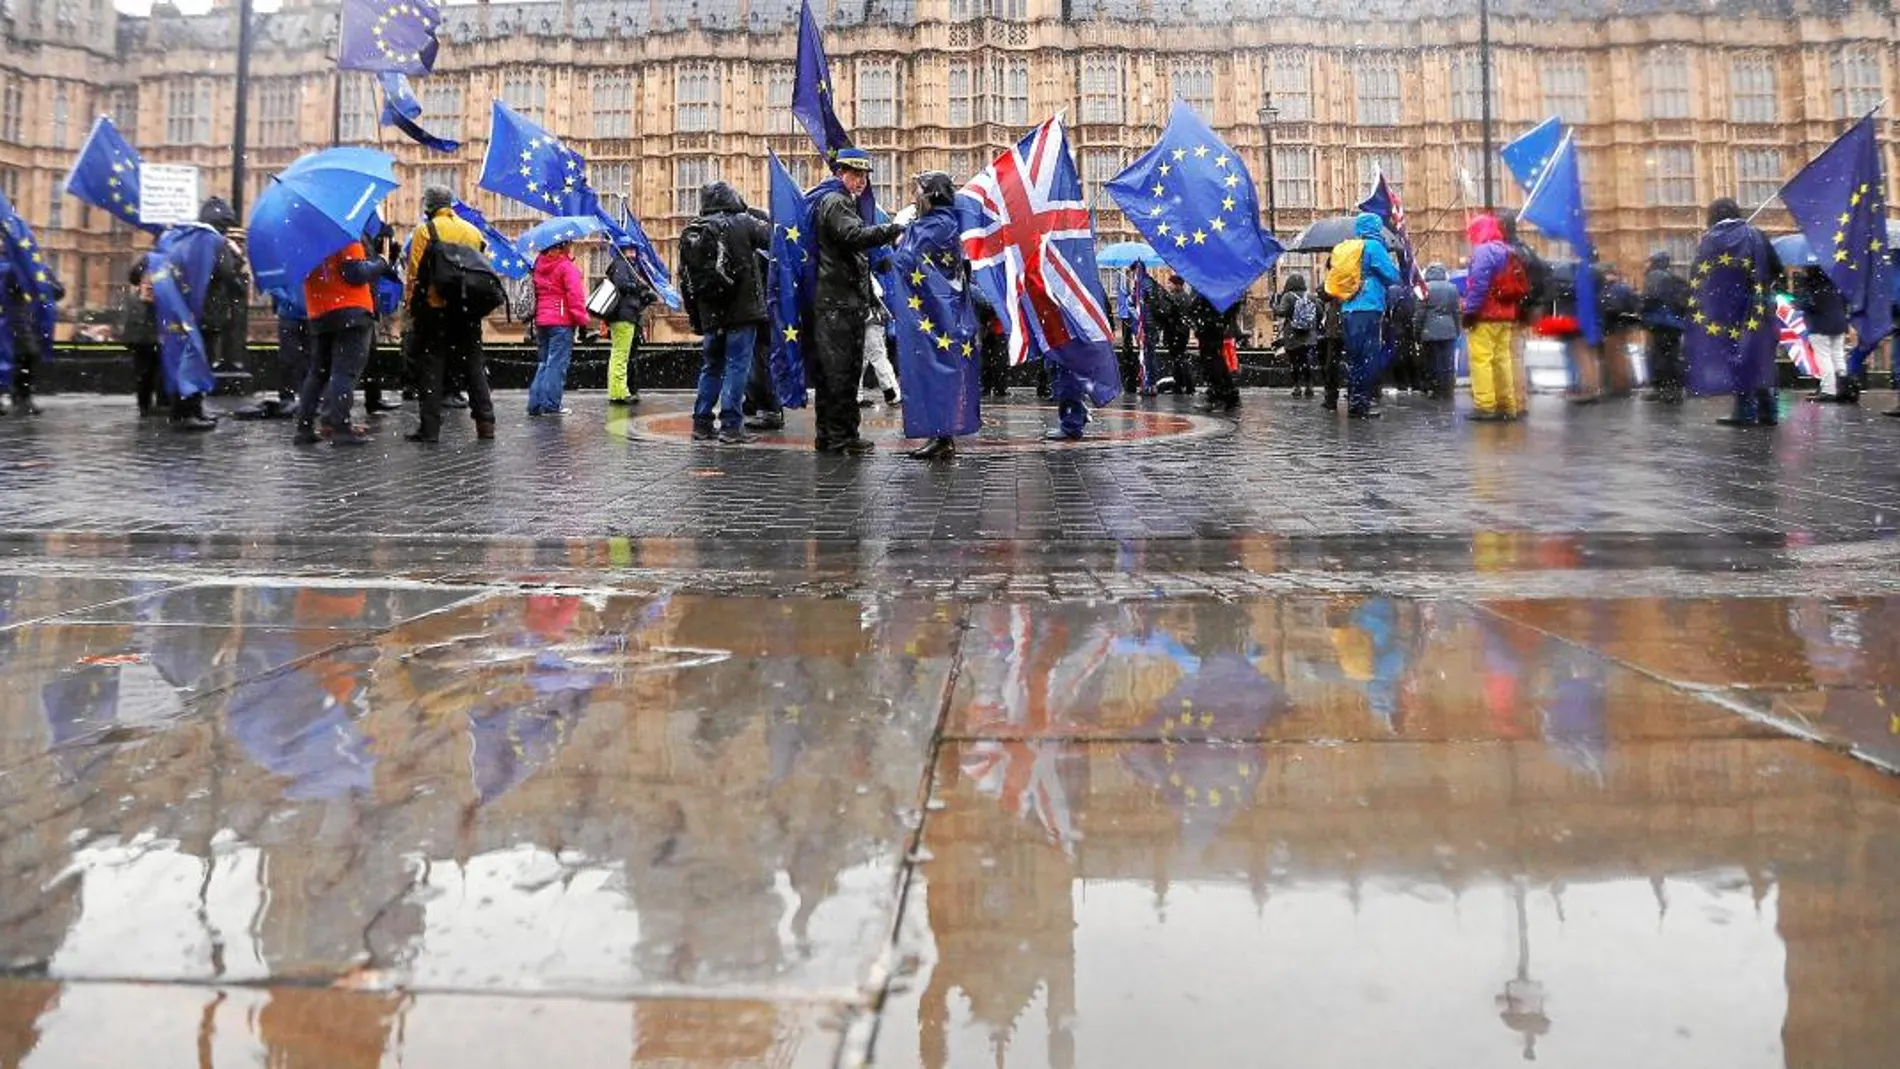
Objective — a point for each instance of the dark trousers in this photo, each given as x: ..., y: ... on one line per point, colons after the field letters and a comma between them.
x: 1221, y: 387
x: 761, y: 395
x: 1178, y: 364
x: 838, y: 366
x: 1442, y: 356
x: 145, y: 375
x: 1332, y: 358
x: 1129, y: 358
x: 185, y: 406
x: 996, y: 365
x: 448, y: 348
x: 1301, y: 365
x: 293, y: 355
x: 1362, y: 355
x: 26, y: 360
x: 336, y: 362
x: 1665, y: 359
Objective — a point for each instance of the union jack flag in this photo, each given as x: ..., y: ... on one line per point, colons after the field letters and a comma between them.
x: 1030, y: 240
x: 1794, y: 335
x: 1384, y: 202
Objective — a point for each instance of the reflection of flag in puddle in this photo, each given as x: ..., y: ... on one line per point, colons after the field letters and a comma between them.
x: 101, y: 691
x: 1041, y: 683
x: 510, y: 744
x: 301, y: 725
x: 1206, y: 783
x: 1573, y: 709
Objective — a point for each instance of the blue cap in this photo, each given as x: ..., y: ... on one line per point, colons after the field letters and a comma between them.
x: 855, y: 158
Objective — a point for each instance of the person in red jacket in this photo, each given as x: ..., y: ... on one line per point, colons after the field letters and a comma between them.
x: 560, y: 306
x: 342, y: 312
x: 1494, y: 285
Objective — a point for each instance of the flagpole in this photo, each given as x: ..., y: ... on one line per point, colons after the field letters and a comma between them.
x: 1484, y: 94
x: 242, y: 110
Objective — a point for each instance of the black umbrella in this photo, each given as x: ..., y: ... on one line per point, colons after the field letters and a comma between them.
x: 1323, y: 234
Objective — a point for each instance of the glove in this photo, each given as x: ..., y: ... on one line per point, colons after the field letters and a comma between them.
x: 906, y: 217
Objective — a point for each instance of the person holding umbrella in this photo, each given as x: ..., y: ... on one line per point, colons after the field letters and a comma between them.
x: 560, y: 308
x: 341, y: 304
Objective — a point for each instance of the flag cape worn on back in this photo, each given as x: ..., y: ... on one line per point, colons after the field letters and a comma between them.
x: 1030, y: 241
x: 20, y: 251
x: 1839, y: 200
x: 788, y: 299
x: 179, y: 270
x: 1193, y: 200
x: 402, y: 110
x: 389, y: 35
x: 939, y: 358
x: 1733, y: 330
x: 1532, y: 151
x: 106, y: 174
x: 502, y: 254
x: 1555, y: 206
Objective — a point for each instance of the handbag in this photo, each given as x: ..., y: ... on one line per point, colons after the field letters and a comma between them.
x: 605, y: 298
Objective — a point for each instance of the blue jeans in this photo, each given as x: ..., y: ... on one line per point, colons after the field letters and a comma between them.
x: 556, y: 345
x: 1362, y: 355
x: 336, y: 362
x: 725, y: 361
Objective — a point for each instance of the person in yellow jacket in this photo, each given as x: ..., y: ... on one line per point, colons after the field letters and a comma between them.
x: 445, y: 337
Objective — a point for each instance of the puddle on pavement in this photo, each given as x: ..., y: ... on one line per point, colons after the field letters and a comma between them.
x: 1693, y: 902
x: 530, y: 793
x: 1304, y: 669
x: 47, y: 1025
x: 1826, y: 665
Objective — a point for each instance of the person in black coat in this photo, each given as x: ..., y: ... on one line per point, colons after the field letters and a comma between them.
x: 730, y: 321
x: 1665, y: 314
x: 23, y: 323
x: 1296, y: 316
x: 843, y: 300
x: 1440, y: 320
x: 1174, y: 315
x: 138, y: 332
x: 633, y: 297
x: 1212, y: 328
x: 1825, y: 310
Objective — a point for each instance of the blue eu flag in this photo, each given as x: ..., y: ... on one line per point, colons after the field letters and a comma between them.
x: 812, y: 90
x: 794, y: 260
x: 179, y: 270
x: 1555, y: 206
x: 1193, y: 199
x: 631, y: 239
x: 526, y: 163
x: 403, y: 111
x: 1528, y: 155
x: 1733, y: 330
x: 1840, y: 203
x: 106, y: 174
x: 502, y: 254
x: 21, y: 257
x: 933, y: 316
x: 389, y: 35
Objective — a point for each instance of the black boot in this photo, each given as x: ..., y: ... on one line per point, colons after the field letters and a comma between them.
x: 936, y: 449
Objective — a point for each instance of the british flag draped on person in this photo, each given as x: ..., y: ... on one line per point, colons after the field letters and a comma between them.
x: 1030, y: 240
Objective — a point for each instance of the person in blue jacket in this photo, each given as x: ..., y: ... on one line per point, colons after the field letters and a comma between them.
x: 1364, y: 312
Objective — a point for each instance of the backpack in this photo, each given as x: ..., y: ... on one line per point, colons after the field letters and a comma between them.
x: 707, y: 274
x: 1513, y: 282
x: 1305, y: 314
x: 1344, y: 273
x: 461, y: 275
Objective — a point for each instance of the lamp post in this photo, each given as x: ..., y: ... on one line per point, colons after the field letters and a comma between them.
x: 1268, y: 113
x: 243, y: 90
x: 1484, y: 95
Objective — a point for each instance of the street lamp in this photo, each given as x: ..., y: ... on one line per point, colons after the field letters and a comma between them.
x: 1268, y: 113
x: 1484, y: 95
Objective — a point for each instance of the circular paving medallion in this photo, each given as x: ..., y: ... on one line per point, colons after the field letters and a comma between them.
x: 1007, y: 428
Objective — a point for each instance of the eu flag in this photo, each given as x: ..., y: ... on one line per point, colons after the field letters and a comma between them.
x: 1555, y: 206
x: 1840, y: 202
x: 526, y: 163
x: 630, y: 237
x: 1193, y: 199
x: 1733, y: 331
x: 794, y: 260
x: 812, y: 89
x: 179, y: 270
x: 502, y: 254
x: 403, y: 111
x: 1528, y: 155
x: 389, y: 35
x: 934, y: 319
x: 106, y: 174
x: 21, y: 256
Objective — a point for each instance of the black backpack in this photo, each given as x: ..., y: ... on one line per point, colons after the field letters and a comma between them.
x: 707, y: 273
x: 461, y: 276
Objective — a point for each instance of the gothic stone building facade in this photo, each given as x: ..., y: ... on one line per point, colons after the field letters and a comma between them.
x: 1675, y: 102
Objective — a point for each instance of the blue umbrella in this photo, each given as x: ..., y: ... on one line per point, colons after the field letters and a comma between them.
x: 1123, y: 253
x: 316, y: 206
x: 557, y: 231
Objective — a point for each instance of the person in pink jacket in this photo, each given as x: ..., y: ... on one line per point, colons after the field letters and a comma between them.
x: 560, y: 306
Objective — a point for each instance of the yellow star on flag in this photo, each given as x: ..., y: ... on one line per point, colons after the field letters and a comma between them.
x: 1200, y: 151
x: 791, y: 333
x: 1165, y: 169
x: 926, y: 325
x: 916, y: 278
x: 1200, y: 237
x: 1162, y: 229
x: 1840, y: 256
x: 1218, y: 224
x: 1231, y: 181
x: 1180, y: 241
x: 1227, y: 204
x: 1221, y: 160
x: 943, y: 341
x: 1157, y: 189
x: 1753, y: 323
x: 967, y: 349
x: 915, y: 303
x: 1180, y: 154
x: 792, y: 233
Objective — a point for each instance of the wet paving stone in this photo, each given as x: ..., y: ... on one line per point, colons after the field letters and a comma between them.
x: 191, y: 1027
x: 1697, y: 901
